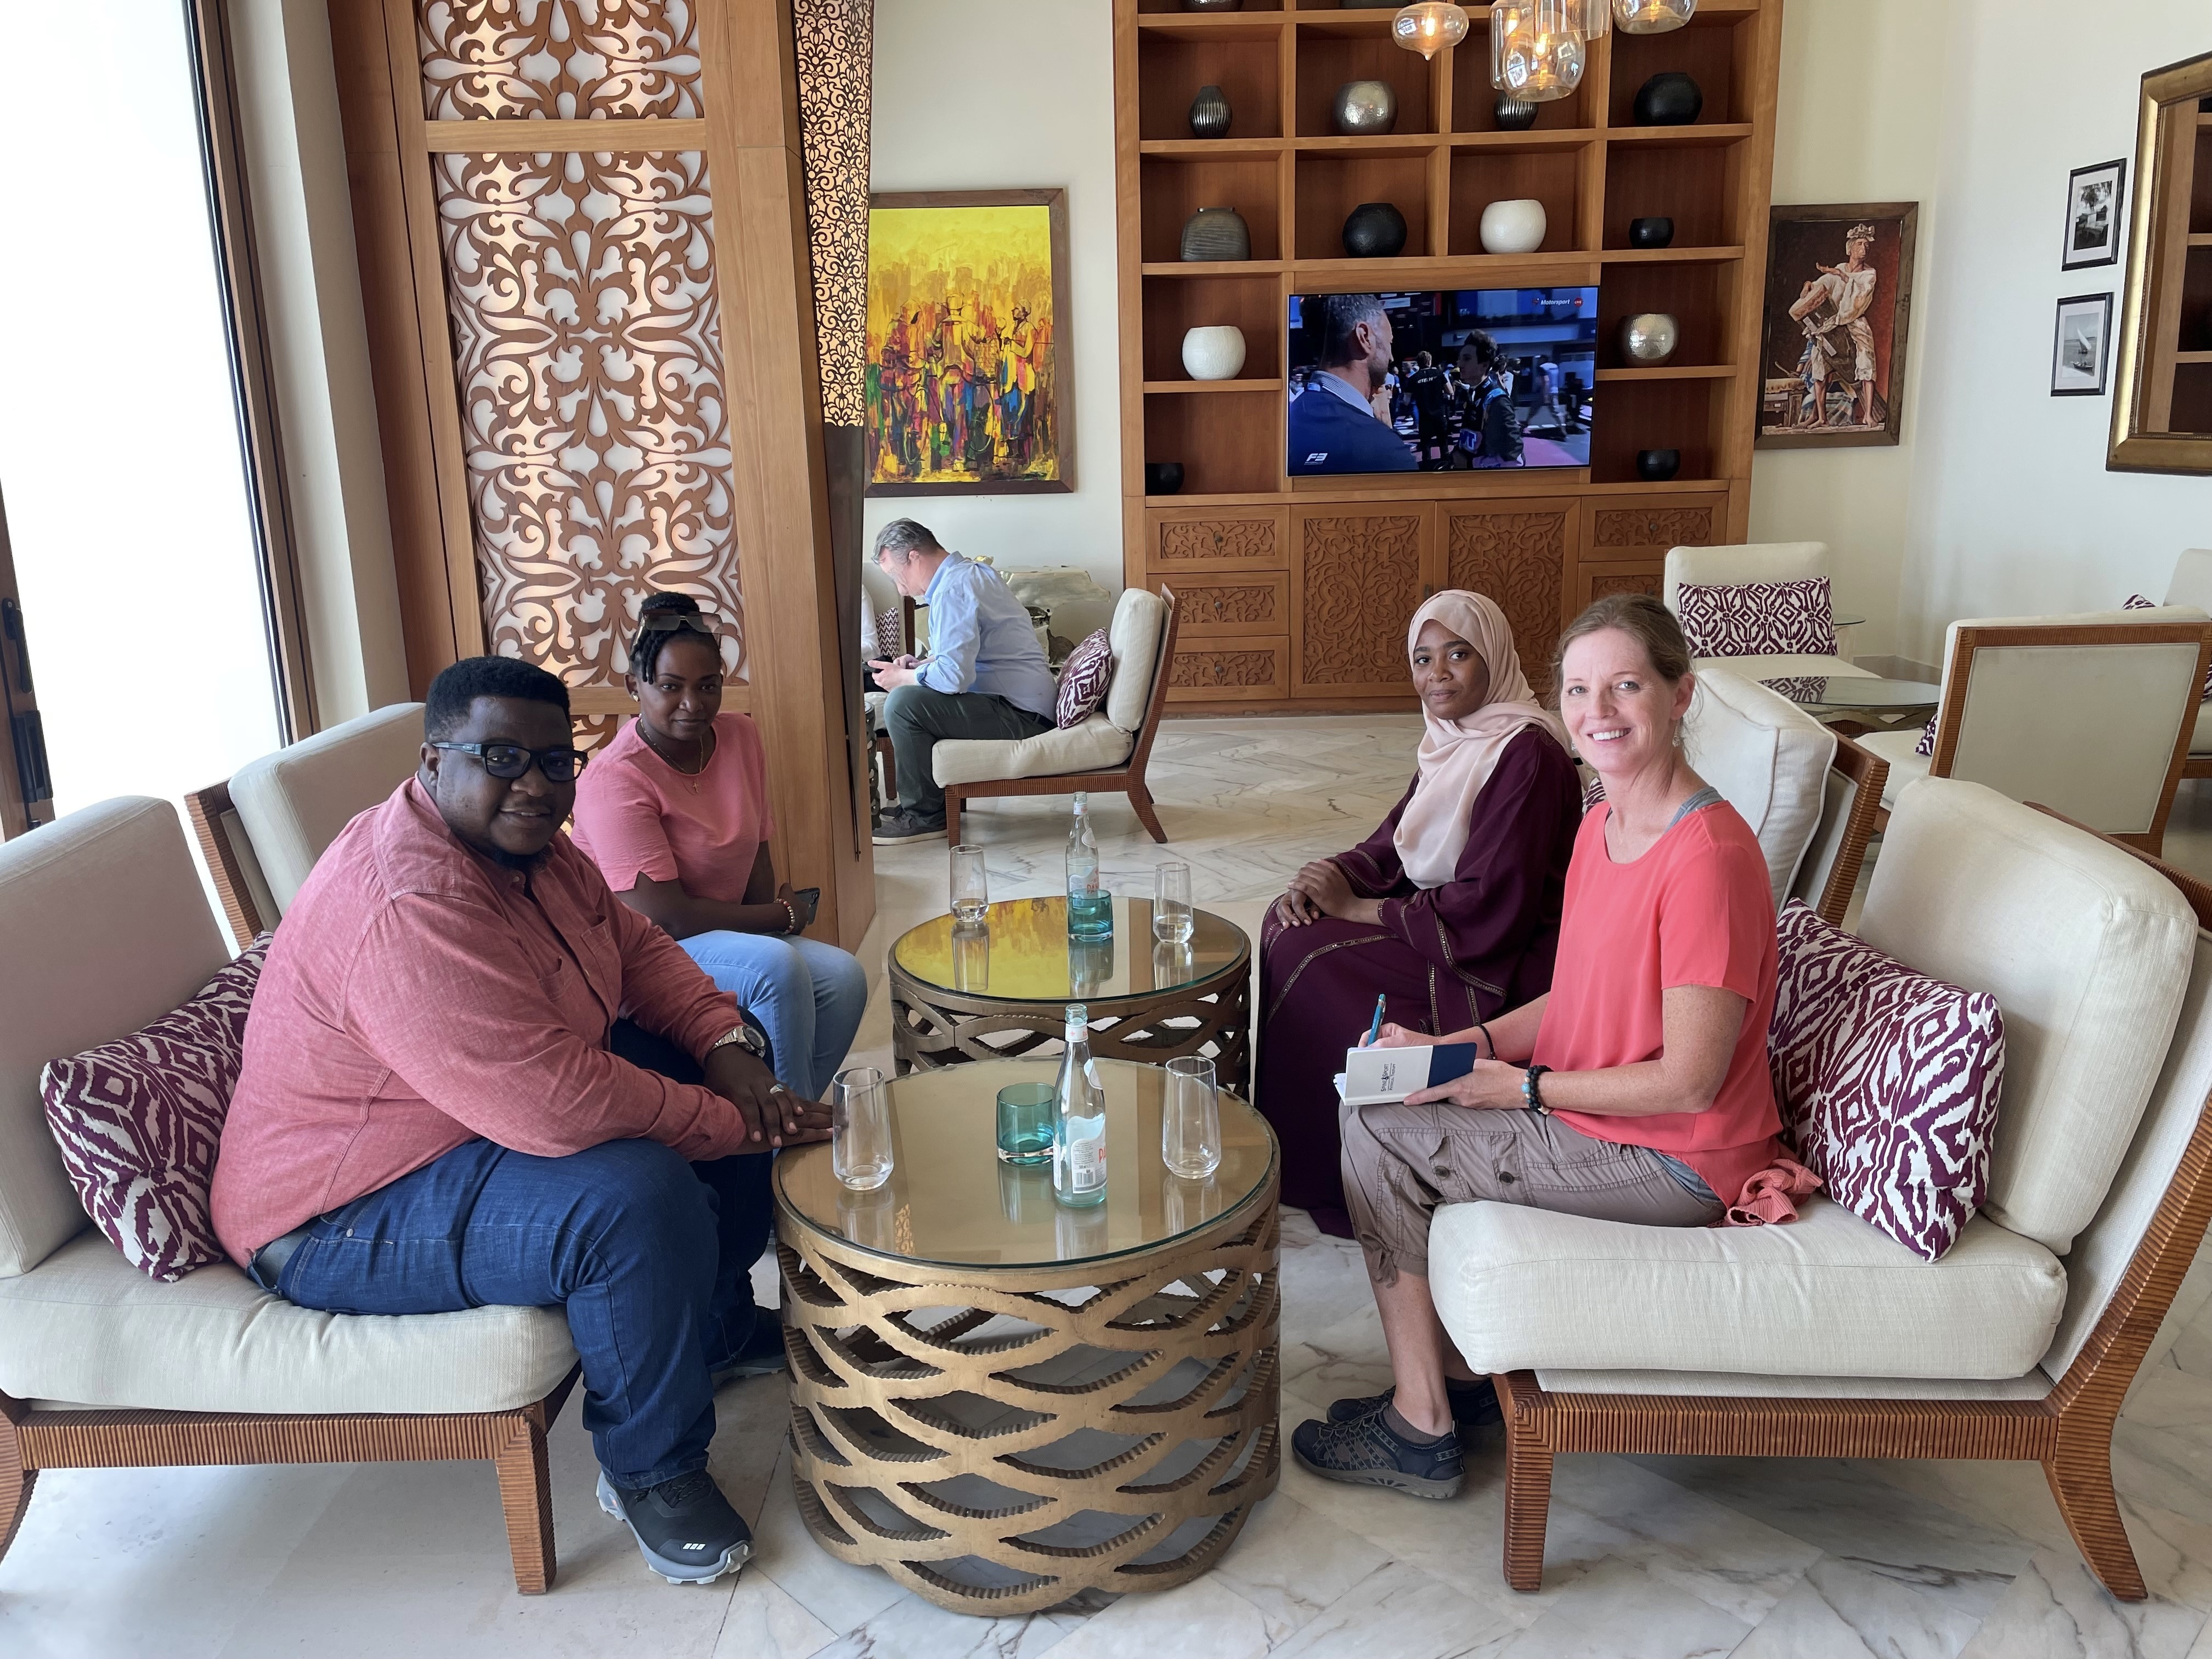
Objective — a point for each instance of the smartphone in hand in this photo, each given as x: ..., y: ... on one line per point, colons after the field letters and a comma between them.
x: 806, y: 901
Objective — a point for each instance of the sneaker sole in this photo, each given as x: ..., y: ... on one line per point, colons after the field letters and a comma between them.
x: 676, y: 1572
x: 900, y: 841
x: 1412, y: 1485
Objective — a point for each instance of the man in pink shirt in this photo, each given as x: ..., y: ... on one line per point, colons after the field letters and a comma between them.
x: 473, y: 1077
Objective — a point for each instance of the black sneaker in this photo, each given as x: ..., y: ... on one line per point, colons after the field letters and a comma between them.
x: 762, y: 1354
x: 900, y: 825
x: 684, y: 1528
x: 1364, y: 1452
x: 1473, y: 1404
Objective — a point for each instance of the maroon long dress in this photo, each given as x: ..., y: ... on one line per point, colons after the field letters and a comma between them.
x: 1442, y: 958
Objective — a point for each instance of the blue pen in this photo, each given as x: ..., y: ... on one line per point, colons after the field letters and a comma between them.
x: 1376, y: 1029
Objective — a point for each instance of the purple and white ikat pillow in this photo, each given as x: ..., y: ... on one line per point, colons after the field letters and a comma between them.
x: 1927, y: 743
x: 138, y: 1120
x: 1084, y: 678
x: 1888, y: 1080
x: 1757, y: 619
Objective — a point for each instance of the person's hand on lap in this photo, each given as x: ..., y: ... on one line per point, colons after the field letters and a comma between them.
x: 1493, y: 1085
x: 775, y: 1117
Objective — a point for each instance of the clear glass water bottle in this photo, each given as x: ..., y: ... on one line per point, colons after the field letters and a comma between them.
x: 1090, y: 906
x: 1079, y: 1136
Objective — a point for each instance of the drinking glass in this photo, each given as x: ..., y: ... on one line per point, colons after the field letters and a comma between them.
x: 971, y: 892
x: 1026, y: 1114
x: 1190, y: 1119
x: 1172, y: 919
x: 860, y: 1128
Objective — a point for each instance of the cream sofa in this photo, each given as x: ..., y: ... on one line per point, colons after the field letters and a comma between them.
x: 1755, y: 562
x: 101, y: 1366
x: 1826, y: 1337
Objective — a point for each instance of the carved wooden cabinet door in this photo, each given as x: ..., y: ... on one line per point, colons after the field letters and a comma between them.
x: 1520, y: 553
x: 1358, y: 571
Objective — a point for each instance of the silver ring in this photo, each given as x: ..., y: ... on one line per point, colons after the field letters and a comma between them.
x: 777, y: 1089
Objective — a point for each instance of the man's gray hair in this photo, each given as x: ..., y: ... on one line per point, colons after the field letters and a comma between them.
x: 1340, y: 313
x: 906, y: 537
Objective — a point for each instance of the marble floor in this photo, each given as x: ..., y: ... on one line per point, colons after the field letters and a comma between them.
x: 1658, y: 1557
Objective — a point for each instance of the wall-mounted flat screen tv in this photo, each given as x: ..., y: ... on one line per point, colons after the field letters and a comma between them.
x: 1442, y: 381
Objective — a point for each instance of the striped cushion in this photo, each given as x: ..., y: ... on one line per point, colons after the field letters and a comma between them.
x: 1888, y: 1080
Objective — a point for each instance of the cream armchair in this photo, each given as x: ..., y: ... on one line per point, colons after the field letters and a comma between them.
x: 2090, y: 714
x: 101, y: 1367
x: 1826, y: 1338
x: 2192, y: 586
x: 1755, y: 562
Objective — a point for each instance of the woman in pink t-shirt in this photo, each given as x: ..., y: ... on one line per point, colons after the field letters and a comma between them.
x: 675, y: 812
x: 1636, y: 1090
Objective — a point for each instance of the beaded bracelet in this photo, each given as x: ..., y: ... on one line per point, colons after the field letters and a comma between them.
x: 1529, y: 1096
x: 791, y: 916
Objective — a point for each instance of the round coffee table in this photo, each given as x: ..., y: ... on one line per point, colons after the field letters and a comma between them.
x: 1002, y: 1402
x: 997, y: 988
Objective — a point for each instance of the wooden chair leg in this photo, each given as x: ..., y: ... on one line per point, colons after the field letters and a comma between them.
x: 2079, y: 1471
x: 1527, y: 1507
x: 1141, y: 799
x: 526, y: 1493
x: 15, y: 1481
x: 952, y: 803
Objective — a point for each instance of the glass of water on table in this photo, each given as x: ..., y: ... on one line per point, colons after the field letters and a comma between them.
x: 1173, y: 920
x: 971, y: 892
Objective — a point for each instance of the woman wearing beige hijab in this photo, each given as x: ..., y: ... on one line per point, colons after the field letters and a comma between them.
x: 1450, y: 911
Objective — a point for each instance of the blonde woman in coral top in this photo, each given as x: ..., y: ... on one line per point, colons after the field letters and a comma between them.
x: 675, y: 812
x: 1635, y: 1089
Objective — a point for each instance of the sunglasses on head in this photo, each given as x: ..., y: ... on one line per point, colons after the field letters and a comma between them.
x: 671, y: 621
x: 510, y: 761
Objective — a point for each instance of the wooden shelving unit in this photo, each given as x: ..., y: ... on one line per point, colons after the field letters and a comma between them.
x: 1295, y: 591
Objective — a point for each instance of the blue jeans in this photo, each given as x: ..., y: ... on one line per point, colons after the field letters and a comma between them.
x: 807, y: 996
x: 649, y: 1255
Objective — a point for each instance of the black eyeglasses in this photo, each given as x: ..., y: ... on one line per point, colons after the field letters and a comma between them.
x: 512, y: 760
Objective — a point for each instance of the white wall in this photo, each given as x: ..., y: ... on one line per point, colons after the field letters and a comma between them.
x: 1998, y: 503
x: 319, y: 346
x: 1009, y: 94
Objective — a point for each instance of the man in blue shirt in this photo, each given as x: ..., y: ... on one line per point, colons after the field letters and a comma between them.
x: 1333, y: 424
x: 986, y: 675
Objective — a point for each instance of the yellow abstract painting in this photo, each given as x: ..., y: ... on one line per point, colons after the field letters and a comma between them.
x: 964, y: 384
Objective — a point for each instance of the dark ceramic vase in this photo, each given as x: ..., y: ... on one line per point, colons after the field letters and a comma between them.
x: 1650, y: 233
x: 1216, y: 233
x: 1376, y: 230
x: 1657, y: 465
x: 1514, y: 114
x: 1162, y: 477
x: 1210, y: 114
x: 1672, y: 99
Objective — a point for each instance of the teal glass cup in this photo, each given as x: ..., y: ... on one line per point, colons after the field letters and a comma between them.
x: 1025, y: 1121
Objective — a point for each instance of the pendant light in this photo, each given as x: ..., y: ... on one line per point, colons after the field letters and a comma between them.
x: 1653, y: 16
x: 1429, y: 26
x: 1594, y: 18
x: 1536, y: 49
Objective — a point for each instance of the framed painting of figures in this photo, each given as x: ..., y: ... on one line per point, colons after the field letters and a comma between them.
x: 969, y: 383
x: 1838, y: 303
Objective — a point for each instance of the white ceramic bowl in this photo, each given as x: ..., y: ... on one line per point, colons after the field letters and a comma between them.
x: 1213, y: 354
x: 1515, y: 227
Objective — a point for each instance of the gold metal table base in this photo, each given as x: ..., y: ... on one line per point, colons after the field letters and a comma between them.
x: 999, y: 1441
x: 932, y: 1027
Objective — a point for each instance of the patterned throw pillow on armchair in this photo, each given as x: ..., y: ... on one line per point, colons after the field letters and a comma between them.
x: 1757, y: 619
x: 1084, y: 678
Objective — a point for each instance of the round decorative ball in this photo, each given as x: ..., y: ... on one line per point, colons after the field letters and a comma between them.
x: 1649, y: 338
x: 1365, y: 107
x: 1213, y: 354
x: 1672, y: 99
x: 1514, y: 226
x: 1650, y: 233
x: 1216, y: 233
x: 1514, y: 114
x: 1162, y: 477
x: 1210, y: 113
x: 1376, y: 230
x: 1657, y: 465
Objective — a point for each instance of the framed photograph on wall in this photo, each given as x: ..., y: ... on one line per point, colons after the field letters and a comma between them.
x: 970, y: 384
x: 2094, y: 228
x: 2081, y: 348
x: 1837, y: 301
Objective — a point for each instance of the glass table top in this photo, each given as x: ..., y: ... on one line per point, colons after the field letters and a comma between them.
x: 951, y: 1201
x: 1855, y: 691
x: 1021, y: 952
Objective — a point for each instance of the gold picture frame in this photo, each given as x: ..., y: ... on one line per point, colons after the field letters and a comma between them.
x: 2162, y: 417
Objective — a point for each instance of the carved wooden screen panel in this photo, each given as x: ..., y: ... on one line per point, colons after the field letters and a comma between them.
x: 1358, y: 574
x: 584, y: 320
x: 1518, y: 557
